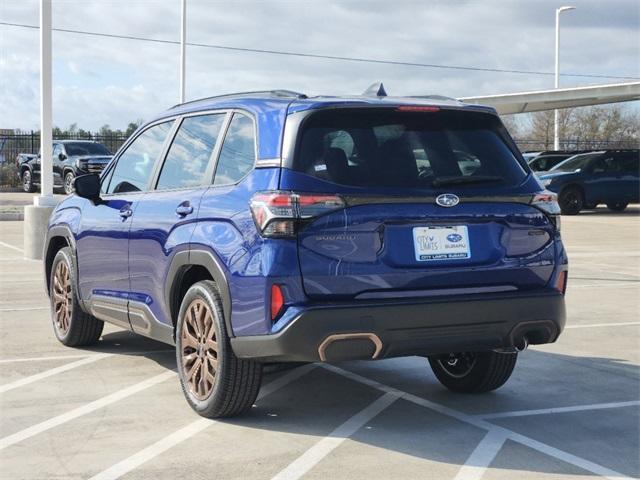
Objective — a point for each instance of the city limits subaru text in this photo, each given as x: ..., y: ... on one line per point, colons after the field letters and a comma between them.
x: 271, y: 227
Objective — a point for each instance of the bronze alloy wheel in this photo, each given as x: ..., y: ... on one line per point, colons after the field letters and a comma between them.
x: 199, y: 349
x: 61, y: 298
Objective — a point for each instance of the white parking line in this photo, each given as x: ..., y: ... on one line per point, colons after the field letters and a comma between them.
x: 609, y: 285
x: 12, y: 247
x: 38, y: 359
x: 548, y: 411
x: 481, y: 458
x: 22, y: 309
x: 598, y: 325
x: 69, y: 357
x: 54, y: 371
x: 83, y: 410
x: 179, y: 436
x: 324, y: 447
x: 480, y: 423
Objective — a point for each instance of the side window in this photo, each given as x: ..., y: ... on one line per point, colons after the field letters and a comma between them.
x: 57, y: 150
x: 614, y: 164
x: 600, y: 165
x: 191, y: 151
x: 238, y: 152
x: 631, y: 163
x: 134, y: 167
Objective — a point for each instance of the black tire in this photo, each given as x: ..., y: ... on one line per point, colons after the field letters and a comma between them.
x: 67, y: 183
x: 571, y: 201
x: 27, y: 181
x: 79, y: 328
x: 617, y: 207
x: 236, y: 382
x: 476, y: 373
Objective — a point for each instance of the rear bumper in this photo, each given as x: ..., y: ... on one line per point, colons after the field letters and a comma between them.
x: 385, y: 329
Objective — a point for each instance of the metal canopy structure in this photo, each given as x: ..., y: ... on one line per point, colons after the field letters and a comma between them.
x: 536, y: 101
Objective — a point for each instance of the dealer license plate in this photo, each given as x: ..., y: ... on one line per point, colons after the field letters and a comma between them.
x: 441, y: 243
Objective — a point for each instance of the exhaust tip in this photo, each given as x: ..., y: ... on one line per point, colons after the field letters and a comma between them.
x: 522, y: 344
x: 350, y: 346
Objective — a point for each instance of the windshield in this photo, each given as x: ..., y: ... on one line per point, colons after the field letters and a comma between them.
x: 392, y: 148
x: 85, y: 148
x: 575, y: 163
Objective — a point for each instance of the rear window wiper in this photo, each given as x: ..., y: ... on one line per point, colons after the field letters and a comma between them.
x: 462, y: 180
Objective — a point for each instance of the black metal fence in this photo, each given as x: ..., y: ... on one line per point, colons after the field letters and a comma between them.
x: 530, y: 145
x: 13, y: 144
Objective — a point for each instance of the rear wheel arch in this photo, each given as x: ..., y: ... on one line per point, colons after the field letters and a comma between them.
x: 186, y: 269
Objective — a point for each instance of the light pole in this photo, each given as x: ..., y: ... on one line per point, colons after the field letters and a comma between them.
x: 183, y: 45
x: 36, y: 216
x: 46, y: 167
x: 556, y: 133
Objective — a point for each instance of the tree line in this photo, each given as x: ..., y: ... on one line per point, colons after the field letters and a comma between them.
x: 609, y: 126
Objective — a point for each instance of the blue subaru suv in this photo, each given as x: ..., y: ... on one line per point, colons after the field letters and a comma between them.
x: 271, y: 227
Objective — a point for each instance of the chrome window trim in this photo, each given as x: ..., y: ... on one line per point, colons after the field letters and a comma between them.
x: 268, y: 162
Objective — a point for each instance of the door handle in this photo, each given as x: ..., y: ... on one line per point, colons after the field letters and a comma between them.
x: 184, y: 209
x: 126, y: 212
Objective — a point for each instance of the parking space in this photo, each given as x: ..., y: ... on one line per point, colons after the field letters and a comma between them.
x: 115, y: 410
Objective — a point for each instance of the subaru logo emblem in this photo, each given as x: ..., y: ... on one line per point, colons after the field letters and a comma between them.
x: 454, y: 237
x: 447, y: 200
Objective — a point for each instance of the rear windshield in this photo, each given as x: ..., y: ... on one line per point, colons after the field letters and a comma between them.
x: 391, y: 148
x: 82, y: 148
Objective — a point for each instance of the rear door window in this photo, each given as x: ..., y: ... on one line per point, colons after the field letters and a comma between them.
x: 135, y: 165
x: 391, y: 148
x: 631, y: 162
x: 191, y: 152
x: 238, y: 152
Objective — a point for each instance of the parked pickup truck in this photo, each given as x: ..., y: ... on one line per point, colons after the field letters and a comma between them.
x: 70, y: 159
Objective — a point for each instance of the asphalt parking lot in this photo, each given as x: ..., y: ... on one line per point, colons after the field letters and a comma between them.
x: 570, y: 410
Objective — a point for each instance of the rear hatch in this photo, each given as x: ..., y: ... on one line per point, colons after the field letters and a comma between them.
x: 431, y: 202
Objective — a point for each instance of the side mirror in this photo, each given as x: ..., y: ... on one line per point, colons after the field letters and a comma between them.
x: 88, y: 186
x: 61, y: 156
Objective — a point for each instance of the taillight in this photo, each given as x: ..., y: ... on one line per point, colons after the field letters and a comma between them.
x: 561, y: 282
x: 277, y: 301
x: 548, y: 203
x: 278, y: 214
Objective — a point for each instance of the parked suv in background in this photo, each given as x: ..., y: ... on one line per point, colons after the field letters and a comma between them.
x: 611, y: 177
x: 70, y: 159
x: 273, y: 227
x: 545, y: 161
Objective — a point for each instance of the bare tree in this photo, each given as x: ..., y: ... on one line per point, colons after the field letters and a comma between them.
x: 610, y: 126
x: 606, y: 126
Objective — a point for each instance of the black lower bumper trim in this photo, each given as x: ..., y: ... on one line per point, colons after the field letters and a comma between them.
x: 434, y: 326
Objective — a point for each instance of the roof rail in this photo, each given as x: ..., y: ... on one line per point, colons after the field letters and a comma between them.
x: 275, y: 93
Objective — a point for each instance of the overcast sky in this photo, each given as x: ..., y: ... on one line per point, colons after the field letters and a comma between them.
x: 113, y: 81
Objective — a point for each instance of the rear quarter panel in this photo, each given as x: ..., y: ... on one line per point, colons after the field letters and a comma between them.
x: 225, y: 228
